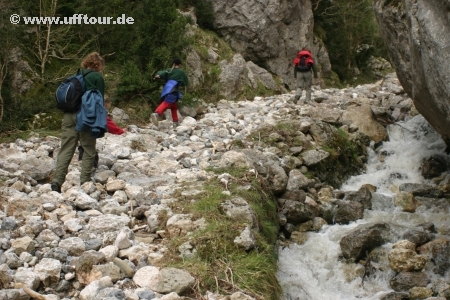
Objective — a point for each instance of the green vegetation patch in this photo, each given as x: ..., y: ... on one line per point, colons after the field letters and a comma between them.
x: 218, y: 264
x: 344, y: 159
x: 345, y: 153
x: 202, y: 42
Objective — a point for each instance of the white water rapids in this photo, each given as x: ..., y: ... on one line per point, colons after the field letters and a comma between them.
x: 313, y: 270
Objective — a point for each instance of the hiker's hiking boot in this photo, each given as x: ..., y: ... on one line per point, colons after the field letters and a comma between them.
x: 55, y: 187
x: 155, y: 119
x: 296, y: 98
x: 175, y: 125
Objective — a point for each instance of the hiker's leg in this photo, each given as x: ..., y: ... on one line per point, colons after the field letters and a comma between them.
x: 69, y: 141
x: 174, y: 111
x: 298, y: 92
x: 88, y: 143
x: 162, y: 108
x: 301, y: 84
x: 308, y: 82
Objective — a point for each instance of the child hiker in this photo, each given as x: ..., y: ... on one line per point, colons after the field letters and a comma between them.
x: 174, y: 79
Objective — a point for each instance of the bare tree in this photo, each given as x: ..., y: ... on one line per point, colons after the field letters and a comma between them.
x: 7, y: 42
x: 53, y: 40
x: 47, y: 8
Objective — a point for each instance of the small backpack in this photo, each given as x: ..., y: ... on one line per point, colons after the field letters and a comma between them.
x: 69, y: 92
x: 303, y: 62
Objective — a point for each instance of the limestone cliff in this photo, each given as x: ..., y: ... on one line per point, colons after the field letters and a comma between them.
x: 417, y: 37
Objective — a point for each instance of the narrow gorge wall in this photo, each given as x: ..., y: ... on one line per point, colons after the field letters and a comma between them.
x: 417, y: 36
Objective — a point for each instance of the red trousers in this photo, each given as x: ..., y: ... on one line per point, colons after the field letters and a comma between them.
x: 173, y: 109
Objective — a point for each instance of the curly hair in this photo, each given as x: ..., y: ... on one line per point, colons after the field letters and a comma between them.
x: 93, y: 61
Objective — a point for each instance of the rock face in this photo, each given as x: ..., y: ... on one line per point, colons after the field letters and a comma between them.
x: 269, y: 31
x: 417, y: 39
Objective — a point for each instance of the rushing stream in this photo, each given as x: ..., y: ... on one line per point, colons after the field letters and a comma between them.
x: 313, y: 271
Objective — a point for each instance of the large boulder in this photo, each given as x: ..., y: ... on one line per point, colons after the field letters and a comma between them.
x: 417, y: 40
x: 362, y: 117
x: 364, y: 239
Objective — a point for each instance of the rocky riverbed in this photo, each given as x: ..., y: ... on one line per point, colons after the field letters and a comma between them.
x: 111, y: 238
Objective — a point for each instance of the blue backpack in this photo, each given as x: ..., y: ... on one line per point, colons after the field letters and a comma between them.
x: 170, y: 92
x: 69, y: 93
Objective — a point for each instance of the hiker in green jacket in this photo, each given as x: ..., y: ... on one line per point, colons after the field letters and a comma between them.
x: 70, y: 136
x: 174, y: 73
x: 170, y: 94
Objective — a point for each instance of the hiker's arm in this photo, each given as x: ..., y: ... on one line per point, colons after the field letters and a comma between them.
x: 161, y: 75
x: 112, y: 127
x: 295, y: 72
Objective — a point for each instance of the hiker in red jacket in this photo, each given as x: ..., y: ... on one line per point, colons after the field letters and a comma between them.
x: 303, y: 68
x: 113, y: 128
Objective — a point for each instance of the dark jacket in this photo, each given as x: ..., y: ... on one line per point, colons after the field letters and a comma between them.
x: 174, y: 74
x: 92, y: 114
x: 94, y: 80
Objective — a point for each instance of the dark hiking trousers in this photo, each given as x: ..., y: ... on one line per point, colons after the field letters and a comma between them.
x: 69, y: 142
x: 304, y: 81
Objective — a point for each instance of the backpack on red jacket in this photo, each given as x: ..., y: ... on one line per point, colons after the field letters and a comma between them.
x: 304, y: 61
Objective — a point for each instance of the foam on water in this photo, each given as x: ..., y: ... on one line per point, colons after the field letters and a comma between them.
x: 399, y: 159
x: 314, y: 271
